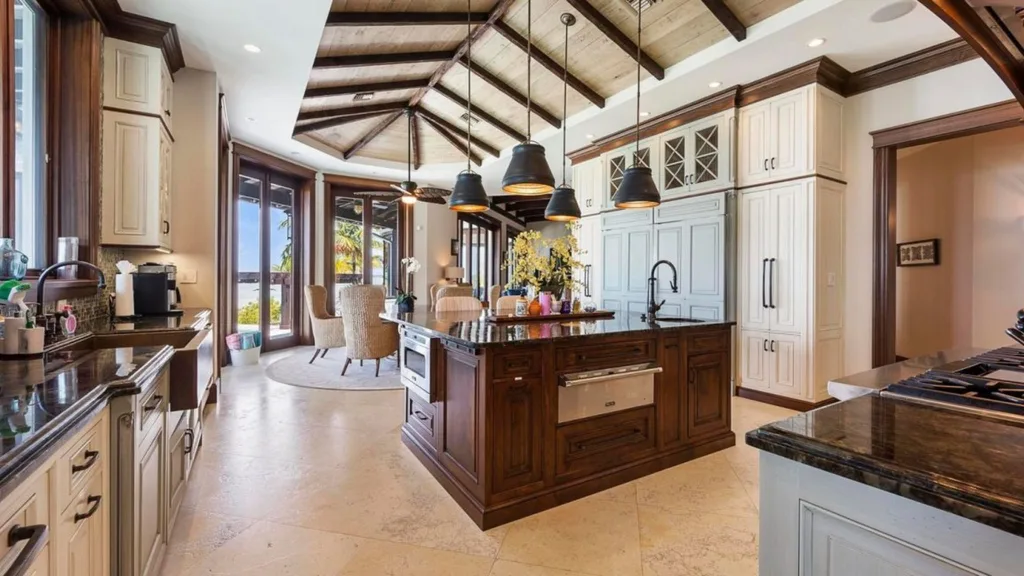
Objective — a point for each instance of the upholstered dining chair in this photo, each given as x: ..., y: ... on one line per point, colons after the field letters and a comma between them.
x: 328, y: 331
x: 449, y: 290
x: 367, y: 337
x: 493, y: 293
x: 459, y: 304
x: 506, y: 305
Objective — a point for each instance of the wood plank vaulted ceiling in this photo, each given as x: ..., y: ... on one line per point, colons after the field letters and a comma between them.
x: 419, y: 64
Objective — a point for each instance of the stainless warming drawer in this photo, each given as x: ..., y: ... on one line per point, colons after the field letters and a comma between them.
x: 596, y: 392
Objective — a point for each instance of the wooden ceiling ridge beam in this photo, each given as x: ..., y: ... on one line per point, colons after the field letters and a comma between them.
x: 403, y: 18
x: 366, y: 139
x: 483, y: 115
x: 727, y: 17
x: 539, y: 202
x: 332, y: 122
x: 612, y: 32
x: 355, y: 60
x: 547, y: 62
x: 415, y: 142
x: 511, y: 92
x: 351, y: 110
x: 451, y: 138
x: 493, y: 17
x: 436, y: 120
x: 390, y: 86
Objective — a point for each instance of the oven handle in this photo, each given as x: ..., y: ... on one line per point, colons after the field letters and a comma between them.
x: 606, y: 377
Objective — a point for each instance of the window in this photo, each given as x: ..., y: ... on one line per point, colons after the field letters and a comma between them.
x: 367, y: 248
x: 27, y: 201
x: 510, y: 240
x: 478, y: 252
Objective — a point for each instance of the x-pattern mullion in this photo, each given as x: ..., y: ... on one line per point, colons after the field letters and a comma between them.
x: 675, y: 162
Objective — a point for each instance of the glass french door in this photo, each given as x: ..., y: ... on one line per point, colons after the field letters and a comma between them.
x: 265, y: 237
x: 367, y: 244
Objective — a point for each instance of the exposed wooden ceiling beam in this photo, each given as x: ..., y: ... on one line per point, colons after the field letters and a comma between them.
x: 437, y: 120
x: 382, y: 59
x: 728, y: 18
x: 540, y: 202
x: 332, y: 122
x: 499, y: 210
x: 372, y: 134
x: 511, y: 92
x: 350, y: 110
x: 493, y: 17
x: 529, y: 215
x: 403, y: 18
x: 544, y: 60
x: 415, y: 142
x: 367, y: 87
x: 617, y: 36
x: 505, y: 198
x: 452, y: 139
x: 966, y: 22
x: 510, y: 131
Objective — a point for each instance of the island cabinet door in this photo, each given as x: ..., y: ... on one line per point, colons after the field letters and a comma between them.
x: 518, y: 426
x: 707, y: 398
x: 462, y: 418
x: 671, y: 392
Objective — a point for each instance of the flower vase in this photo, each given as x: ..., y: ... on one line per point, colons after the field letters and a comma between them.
x: 535, y: 307
x: 545, y: 303
x: 556, y: 306
x: 406, y: 306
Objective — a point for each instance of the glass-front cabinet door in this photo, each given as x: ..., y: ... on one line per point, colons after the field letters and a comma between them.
x: 710, y: 157
x: 675, y: 170
x: 619, y: 161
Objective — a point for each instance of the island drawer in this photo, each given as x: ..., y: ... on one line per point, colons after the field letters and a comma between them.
x: 708, y: 342
x: 419, y: 415
x: 518, y: 363
x: 603, y: 442
x: 611, y: 352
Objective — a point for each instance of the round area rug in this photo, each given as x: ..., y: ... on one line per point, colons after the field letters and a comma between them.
x: 296, y: 370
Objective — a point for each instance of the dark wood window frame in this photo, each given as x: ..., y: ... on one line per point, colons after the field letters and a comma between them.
x: 885, y: 143
x: 494, y: 266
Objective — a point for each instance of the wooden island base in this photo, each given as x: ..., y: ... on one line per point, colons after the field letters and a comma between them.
x: 488, y: 424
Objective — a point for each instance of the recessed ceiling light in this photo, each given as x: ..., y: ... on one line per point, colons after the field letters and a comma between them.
x: 467, y: 118
x: 893, y: 11
x: 250, y: 119
x: 714, y: 84
x: 815, y: 42
x: 590, y: 136
x: 252, y: 48
x: 296, y: 152
x: 645, y: 114
x: 363, y: 97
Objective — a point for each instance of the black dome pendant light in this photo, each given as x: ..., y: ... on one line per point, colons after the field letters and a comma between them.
x: 469, y: 194
x: 637, y: 189
x: 562, y: 207
x: 528, y: 173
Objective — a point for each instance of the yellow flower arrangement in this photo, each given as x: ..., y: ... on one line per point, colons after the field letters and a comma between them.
x: 552, y: 272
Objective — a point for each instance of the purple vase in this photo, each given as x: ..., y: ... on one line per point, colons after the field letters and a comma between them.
x: 567, y: 306
x: 545, y: 303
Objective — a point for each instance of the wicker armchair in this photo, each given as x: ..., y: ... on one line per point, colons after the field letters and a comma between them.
x: 459, y: 304
x: 367, y: 336
x: 328, y: 331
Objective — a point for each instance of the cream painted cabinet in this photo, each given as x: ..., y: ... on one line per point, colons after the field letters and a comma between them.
x: 136, y: 181
x: 697, y: 157
x: 151, y: 497
x: 799, y: 133
x: 588, y: 236
x: 588, y: 181
x: 136, y: 79
x: 627, y: 250
x: 84, y: 532
x: 617, y: 162
x: 790, y: 268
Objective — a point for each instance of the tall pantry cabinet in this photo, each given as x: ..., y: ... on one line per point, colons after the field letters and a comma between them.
x: 137, y: 146
x: 790, y: 244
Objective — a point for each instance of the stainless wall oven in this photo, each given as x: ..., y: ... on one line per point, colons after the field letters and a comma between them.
x: 416, y: 351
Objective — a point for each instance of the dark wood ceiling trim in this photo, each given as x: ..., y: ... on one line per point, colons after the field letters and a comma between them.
x: 508, y: 215
x: 965, y: 123
x: 356, y: 60
x: 713, y: 104
x: 359, y: 184
x: 966, y: 22
x: 493, y: 17
x: 528, y: 215
x: 540, y: 202
x: 910, y: 66
x: 505, y: 198
x: 258, y: 156
x: 511, y: 92
x: 821, y: 70
x: 369, y: 136
x: 332, y: 122
x: 351, y: 110
x: 613, y: 33
x: 403, y: 18
x: 547, y: 62
x: 366, y: 87
x: 728, y: 18
x: 438, y: 121
x: 510, y: 131
x: 451, y: 138
x: 415, y: 142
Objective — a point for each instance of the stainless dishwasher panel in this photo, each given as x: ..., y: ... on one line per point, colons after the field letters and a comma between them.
x: 596, y: 392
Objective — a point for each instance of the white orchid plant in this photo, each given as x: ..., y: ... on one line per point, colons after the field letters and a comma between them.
x: 412, y: 266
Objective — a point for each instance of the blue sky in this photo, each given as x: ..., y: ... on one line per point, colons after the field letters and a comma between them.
x: 248, y: 237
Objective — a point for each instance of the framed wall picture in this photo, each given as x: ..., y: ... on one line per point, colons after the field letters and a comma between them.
x: 919, y: 253
x: 455, y: 247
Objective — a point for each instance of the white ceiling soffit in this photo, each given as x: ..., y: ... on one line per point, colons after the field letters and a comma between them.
x: 268, y: 87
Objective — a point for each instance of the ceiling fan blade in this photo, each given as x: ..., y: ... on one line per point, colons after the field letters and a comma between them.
x: 398, y: 188
x: 433, y: 200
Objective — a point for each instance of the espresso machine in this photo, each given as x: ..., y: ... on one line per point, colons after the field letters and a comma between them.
x: 156, y: 290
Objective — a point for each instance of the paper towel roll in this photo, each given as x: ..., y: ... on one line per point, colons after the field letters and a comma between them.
x: 124, y: 295
x: 11, y: 342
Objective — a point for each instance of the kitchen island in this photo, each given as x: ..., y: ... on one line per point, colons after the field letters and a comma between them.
x: 515, y: 418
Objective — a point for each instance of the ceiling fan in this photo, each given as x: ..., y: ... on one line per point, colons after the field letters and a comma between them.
x: 408, y: 191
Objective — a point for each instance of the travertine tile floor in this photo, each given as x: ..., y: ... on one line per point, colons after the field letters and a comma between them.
x: 295, y: 481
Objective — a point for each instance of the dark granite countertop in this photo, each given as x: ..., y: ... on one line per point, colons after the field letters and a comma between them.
x: 961, y: 463
x: 190, y: 319
x: 473, y: 329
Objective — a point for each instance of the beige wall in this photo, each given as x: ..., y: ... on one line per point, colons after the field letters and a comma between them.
x: 434, y: 227
x: 969, y: 192
x: 953, y: 89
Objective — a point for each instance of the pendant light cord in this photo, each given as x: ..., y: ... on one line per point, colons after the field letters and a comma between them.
x: 639, y: 19
x: 565, y: 101
x: 469, y: 85
x: 408, y: 156
x: 529, y: 68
